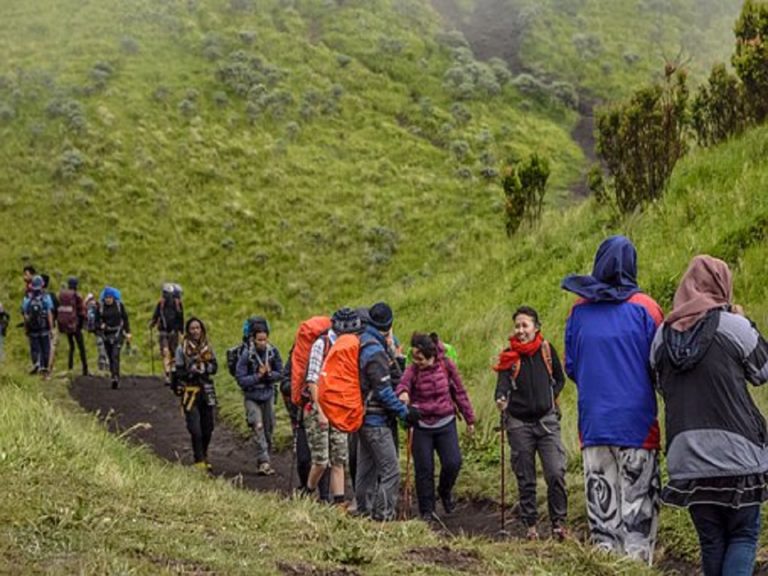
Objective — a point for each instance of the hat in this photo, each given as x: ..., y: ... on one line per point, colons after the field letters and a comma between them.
x: 168, y: 288
x: 72, y: 282
x: 37, y: 283
x: 110, y: 292
x: 345, y: 321
x: 381, y: 316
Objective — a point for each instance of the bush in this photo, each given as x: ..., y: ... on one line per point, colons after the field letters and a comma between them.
x: 460, y: 149
x: 71, y: 162
x: 751, y: 57
x: 129, y: 45
x: 188, y: 107
x: 500, y: 70
x: 7, y: 112
x: 343, y: 60
x: 565, y: 93
x: 719, y: 109
x: 460, y: 113
x: 641, y: 140
x: 530, y: 85
x: 247, y: 37
x: 525, y: 185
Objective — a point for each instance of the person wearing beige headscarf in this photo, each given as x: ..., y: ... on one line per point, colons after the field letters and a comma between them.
x: 704, y: 355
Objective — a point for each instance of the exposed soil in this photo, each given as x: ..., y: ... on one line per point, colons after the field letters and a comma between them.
x: 146, y: 412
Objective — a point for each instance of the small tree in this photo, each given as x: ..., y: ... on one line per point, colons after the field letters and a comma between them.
x: 719, y: 109
x: 751, y: 57
x: 640, y: 141
x: 525, y: 185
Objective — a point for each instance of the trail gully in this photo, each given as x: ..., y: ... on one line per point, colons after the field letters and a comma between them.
x: 145, y: 411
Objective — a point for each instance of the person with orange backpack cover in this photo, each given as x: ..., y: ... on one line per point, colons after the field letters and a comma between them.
x: 356, y: 395
x: 530, y: 379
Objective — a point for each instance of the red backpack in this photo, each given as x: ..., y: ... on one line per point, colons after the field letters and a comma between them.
x: 309, y: 331
x: 338, y: 390
x: 68, y: 313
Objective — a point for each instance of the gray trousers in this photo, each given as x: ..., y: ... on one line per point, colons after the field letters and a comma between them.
x: 526, y: 439
x: 377, y: 484
x: 261, y: 418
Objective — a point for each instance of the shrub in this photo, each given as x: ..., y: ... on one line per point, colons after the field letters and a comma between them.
x: 100, y: 74
x: 453, y: 39
x: 524, y: 185
x: 129, y: 45
x: 70, y: 163
x: 7, y: 112
x: 530, y: 85
x: 247, y: 37
x: 220, y: 99
x: 241, y: 5
x: 565, y: 93
x: 188, y: 107
x: 460, y: 113
x: 751, y: 57
x: 460, y: 149
x: 641, y: 140
x: 719, y: 109
x: 343, y: 60
x: 500, y: 70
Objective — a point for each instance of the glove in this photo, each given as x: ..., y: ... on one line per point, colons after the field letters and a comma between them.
x: 178, y: 388
x: 413, y: 416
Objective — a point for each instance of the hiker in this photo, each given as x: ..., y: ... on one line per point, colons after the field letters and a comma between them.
x: 608, y: 338
x: 433, y: 385
x: 191, y: 380
x: 91, y: 312
x: 378, y: 470
x: 168, y: 318
x: 5, y: 320
x: 449, y: 351
x: 327, y: 445
x: 704, y: 355
x: 259, y: 370
x: 530, y: 379
x: 113, y: 327
x: 37, y: 309
x: 71, y: 319
x: 28, y: 273
x: 396, y: 366
x: 301, y: 451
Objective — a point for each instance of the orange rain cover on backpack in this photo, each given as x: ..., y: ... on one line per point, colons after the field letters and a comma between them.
x: 338, y: 390
x: 309, y: 331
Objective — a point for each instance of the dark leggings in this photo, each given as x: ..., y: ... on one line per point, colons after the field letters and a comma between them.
x: 112, y: 345
x: 77, y: 338
x: 200, y: 422
x: 444, y: 441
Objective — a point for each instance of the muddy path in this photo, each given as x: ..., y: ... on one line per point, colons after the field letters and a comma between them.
x: 145, y: 411
x: 496, y: 28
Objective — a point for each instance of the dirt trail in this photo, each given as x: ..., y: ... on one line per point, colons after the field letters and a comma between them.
x: 146, y: 412
x: 496, y: 28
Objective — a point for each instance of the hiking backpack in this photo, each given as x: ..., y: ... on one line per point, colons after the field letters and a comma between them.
x: 308, y: 331
x: 233, y: 355
x: 67, y: 315
x: 37, y: 315
x: 338, y: 391
x: 546, y: 354
x: 90, y: 317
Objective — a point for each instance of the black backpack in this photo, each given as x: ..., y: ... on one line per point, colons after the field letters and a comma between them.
x: 233, y: 355
x: 37, y: 315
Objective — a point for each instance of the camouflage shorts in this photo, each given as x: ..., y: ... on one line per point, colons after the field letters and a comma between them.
x: 326, y: 445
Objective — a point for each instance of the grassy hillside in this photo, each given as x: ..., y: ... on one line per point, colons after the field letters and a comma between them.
x: 287, y: 158
x: 604, y: 50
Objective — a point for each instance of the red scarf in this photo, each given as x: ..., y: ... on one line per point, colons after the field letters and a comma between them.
x: 510, y: 357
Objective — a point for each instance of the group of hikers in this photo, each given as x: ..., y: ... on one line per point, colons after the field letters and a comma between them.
x: 347, y: 382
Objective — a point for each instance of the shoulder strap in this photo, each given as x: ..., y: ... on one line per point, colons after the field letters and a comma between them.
x: 546, y: 353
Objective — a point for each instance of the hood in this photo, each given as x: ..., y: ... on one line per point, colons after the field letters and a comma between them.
x: 614, y: 273
x: 687, y: 348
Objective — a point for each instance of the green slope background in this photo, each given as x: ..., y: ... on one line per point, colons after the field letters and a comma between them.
x: 287, y: 158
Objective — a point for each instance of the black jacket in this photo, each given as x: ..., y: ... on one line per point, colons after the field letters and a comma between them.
x: 112, y: 320
x: 531, y: 395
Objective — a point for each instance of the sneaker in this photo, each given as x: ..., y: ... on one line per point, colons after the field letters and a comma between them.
x: 430, y: 518
x: 202, y: 466
x: 265, y: 469
x: 560, y: 533
x: 35, y: 369
x: 115, y: 383
x: 532, y: 533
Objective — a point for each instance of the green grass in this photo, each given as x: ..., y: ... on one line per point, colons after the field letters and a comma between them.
x: 353, y: 198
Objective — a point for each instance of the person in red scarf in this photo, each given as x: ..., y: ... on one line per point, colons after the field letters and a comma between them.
x: 530, y: 378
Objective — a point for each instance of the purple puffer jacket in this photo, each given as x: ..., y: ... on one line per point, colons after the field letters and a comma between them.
x: 436, y: 391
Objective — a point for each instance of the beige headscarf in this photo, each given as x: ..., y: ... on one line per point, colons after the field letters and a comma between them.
x: 707, y: 284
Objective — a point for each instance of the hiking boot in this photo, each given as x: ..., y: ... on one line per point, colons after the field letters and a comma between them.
x: 532, y: 533
x: 115, y: 383
x: 35, y: 369
x: 560, y: 533
x: 430, y: 518
x: 265, y: 469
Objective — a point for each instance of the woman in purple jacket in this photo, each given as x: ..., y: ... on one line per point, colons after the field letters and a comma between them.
x: 433, y: 385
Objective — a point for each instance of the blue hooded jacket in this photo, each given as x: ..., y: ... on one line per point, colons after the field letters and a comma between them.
x: 608, y: 338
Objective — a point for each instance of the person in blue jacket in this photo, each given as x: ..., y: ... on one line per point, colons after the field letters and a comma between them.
x: 259, y: 370
x: 608, y: 338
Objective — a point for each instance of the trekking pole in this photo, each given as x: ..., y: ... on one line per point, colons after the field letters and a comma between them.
x: 503, y: 484
x: 152, y: 348
x: 406, y: 505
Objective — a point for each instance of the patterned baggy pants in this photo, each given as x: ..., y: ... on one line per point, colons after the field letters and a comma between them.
x: 623, y: 489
